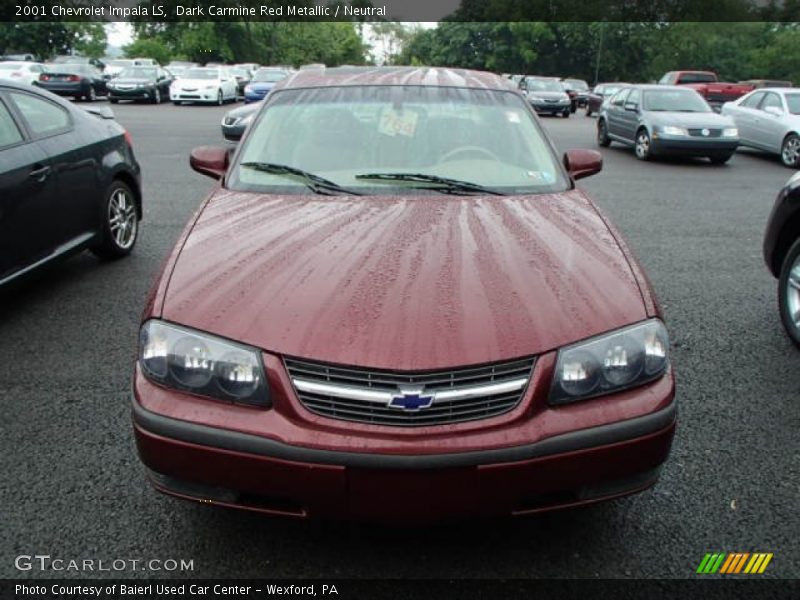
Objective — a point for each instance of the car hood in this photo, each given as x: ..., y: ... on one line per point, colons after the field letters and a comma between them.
x: 133, y: 81
x: 687, y: 119
x: 243, y: 111
x: 196, y: 83
x: 402, y: 282
x: 549, y: 95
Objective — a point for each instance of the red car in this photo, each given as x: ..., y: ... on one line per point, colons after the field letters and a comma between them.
x: 396, y: 304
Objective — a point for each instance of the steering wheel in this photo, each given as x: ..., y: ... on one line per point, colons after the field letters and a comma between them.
x: 474, y: 150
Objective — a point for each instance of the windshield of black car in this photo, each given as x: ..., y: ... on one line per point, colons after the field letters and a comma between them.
x: 485, y: 137
x: 793, y: 102
x: 675, y: 100
x: 544, y: 85
x: 269, y: 76
x: 201, y: 74
x: 138, y: 73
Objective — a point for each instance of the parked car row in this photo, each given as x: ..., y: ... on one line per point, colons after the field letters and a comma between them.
x: 660, y: 119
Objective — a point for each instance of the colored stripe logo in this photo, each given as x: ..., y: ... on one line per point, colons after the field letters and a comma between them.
x: 733, y: 563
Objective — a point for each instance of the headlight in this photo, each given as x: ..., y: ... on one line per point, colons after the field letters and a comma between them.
x: 669, y: 130
x: 730, y: 132
x: 612, y: 362
x: 202, y: 364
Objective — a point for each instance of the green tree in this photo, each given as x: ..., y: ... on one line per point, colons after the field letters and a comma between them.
x: 149, y: 48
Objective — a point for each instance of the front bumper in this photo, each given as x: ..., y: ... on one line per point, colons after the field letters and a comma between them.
x: 693, y: 146
x: 357, y: 475
x: 132, y: 94
x: 551, y: 108
x: 194, y: 96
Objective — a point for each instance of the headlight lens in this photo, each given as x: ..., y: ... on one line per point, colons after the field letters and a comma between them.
x: 670, y: 130
x: 612, y: 362
x: 202, y: 364
x: 730, y: 132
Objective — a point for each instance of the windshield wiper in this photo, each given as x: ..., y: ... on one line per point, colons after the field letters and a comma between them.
x: 317, y: 184
x: 441, y: 184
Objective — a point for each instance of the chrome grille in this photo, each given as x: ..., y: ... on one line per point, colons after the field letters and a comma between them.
x: 364, y: 395
x: 712, y: 133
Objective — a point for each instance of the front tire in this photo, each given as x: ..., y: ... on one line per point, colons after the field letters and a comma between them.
x: 113, y: 100
x: 643, y: 147
x: 588, y: 111
x: 602, y: 134
x: 120, y: 223
x: 157, y: 96
x: 565, y: 114
x: 790, y: 151
x: 789, y: 293
x: 220, y: 98
x: 92, y: 95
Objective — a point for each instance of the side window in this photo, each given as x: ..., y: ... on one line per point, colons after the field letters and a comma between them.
x: 667, y: 79
x: 9, y: 132
x: 634, y: 98
x: 42, y: 116
x: 753, y: 100
x: 619, y: 99
x: 772, y: 100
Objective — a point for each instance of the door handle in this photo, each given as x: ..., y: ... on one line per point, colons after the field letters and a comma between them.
x: 40, y: 172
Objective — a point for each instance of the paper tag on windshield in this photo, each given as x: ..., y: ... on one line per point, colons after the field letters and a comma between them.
x: 398, y: 123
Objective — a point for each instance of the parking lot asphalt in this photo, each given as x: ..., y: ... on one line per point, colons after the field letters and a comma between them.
x: 73, y: 487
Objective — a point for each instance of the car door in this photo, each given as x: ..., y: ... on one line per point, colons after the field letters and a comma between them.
x: 163, y: 82
x: 27, y: 189
x: 614, y: 112
x: 74, y: 164
x: 769, y: 128
x: 745, y: 114
x: 629, y: 117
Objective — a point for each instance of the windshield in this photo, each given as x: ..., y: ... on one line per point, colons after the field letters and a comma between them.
x: 269, y: 76
x: 544, y: 85
x: 675, y: 100
x: 793, y: 102
x: 119, y: 63
x: 484, y: 137
x: 139, y: 73
x: 576, y: 84
x: 201, y: 74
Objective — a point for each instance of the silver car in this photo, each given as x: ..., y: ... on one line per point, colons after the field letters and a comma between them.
x: 769, y: 119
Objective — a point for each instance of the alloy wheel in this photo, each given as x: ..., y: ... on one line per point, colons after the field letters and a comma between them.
x: 642, y: 145
x: 122, y: 222
x: 790, y: 152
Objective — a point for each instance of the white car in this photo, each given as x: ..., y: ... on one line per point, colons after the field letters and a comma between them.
x: 769, y: 119
x: 21, y: 72
x: 204, y: 84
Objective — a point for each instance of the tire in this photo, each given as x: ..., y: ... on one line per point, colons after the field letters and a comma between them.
x: 790, y: 151
x: 92, y: 96
x: 602, y: 134
x: 720, y: 159
x: 157, y: 96
x: 789, y: 293
x: 220, y: 99
x: 120, y: 223
x: 176, y: 102
x: 642, y: 146
x: 588, y: 111
x: 113, y: 100
x: 565, y: 114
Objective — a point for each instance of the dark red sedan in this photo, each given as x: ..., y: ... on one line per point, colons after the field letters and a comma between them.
x: 396, y: 304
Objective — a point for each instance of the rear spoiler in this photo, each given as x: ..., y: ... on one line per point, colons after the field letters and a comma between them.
x: 104, y: 112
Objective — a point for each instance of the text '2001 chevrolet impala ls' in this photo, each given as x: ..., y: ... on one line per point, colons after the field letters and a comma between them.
x: 397, y: 305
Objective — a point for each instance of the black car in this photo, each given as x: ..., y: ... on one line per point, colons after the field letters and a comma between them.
x: 69, y: 79
x: 150, y: 84
x: 578, y: 91
x: 68, y: 181
x: 236, y: 121
x: 782, y: 254
x: 243, y: 78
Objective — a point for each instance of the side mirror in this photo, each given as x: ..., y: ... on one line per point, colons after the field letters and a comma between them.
x: 582, y: 163
x: 209, y: 160
x: 774, y: 111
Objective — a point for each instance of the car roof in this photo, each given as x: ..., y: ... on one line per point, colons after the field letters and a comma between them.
x: 782, y: 90
x: 395, y: 76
